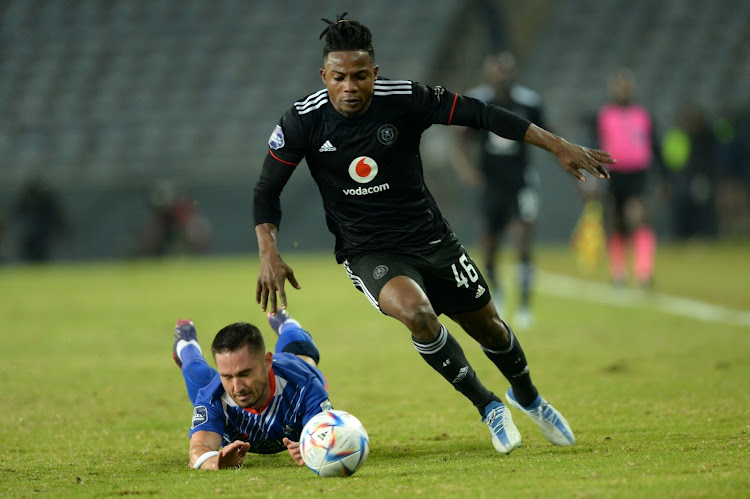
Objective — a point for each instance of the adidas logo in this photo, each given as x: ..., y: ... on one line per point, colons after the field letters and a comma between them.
x: 480, y: 291
x: 461, y: 374
x: 327, y: 147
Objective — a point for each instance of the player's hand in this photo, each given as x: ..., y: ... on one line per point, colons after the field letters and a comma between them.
x: 233, y: 455
x: 575, y: 159
x: 272, y: 275
x: 294, y: 451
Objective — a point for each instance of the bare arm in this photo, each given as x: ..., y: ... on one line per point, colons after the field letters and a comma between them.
x: 267, y: 214
x: 202, y: 442
x: 273, y: 272
x: 572, y: 157
x: 231, y: 456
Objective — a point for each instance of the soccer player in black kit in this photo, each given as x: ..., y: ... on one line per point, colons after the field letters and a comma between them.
x: 360, y: 137
x: 509, y: 185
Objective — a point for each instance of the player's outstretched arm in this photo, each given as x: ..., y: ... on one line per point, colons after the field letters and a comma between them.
x: 204, y: 450
x: 572, y: 157
x: 273, y: 272
x: 294, y: 451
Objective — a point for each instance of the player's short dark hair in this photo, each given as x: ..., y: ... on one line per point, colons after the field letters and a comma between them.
x: 343, y: 35
x: 237, y: 336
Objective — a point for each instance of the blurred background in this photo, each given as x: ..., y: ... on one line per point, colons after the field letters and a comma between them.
x: 135, y: 128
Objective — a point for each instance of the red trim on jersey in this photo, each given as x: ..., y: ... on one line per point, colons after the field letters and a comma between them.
x: 455, y: 99
x: 279, y: 159
x: 272, y: 382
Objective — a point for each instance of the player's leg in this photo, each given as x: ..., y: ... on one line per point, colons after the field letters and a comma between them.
x: 404, y: 300
x: 187, y: 354
x: 460, y: 296
x: 400, y: 294
x: 458, y: 289
x: 496, y: 217
x: 617, y: 240
x: 643, y: 236
x: 292, y: 338
x: 527, y: 212
x: 455, y: 286
x: 524, y: 234
x: 502, y: 347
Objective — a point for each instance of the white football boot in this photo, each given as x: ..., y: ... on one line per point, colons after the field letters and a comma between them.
x: 505, y: 435
x: 553, y: 425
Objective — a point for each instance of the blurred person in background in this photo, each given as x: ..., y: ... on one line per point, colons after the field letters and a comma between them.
x: 3, y: 239
x: 626, y: 129
x: 39, y: 220
x: 509, y: 185
x: 589, y: 238
x: 689, y: 154
x: 733, y: 197
x: 175, y: 224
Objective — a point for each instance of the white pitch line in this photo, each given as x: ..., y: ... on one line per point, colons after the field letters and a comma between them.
x: 579, y: 289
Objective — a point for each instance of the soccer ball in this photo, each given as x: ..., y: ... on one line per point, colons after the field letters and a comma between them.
x: 334, y: 443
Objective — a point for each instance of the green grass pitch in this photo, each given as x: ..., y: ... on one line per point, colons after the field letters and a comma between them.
x: 93, y: 405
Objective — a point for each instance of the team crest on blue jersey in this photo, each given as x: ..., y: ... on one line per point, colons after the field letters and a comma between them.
x: 387, y: 134
x: 200, y: 416
x: 276, y: 140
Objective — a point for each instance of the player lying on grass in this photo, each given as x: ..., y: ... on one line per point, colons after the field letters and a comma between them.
x: 257, y: 401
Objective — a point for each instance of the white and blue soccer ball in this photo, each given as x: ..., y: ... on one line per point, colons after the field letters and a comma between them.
x: 334, y: 443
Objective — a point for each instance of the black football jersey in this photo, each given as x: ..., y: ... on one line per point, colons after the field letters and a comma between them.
x: 368, y: 168
x: 503, y: 161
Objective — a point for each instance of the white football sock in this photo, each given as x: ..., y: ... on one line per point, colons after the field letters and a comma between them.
x: 182, y: 344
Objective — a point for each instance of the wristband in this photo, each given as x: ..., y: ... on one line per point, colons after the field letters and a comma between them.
x: 205, y: 457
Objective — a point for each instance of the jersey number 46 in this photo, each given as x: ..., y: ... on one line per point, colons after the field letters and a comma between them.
x: 471, y: 271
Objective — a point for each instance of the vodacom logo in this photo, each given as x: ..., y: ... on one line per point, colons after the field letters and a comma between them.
x: 363, y: 169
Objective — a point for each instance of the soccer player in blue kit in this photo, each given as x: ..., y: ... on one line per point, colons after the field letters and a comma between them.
x: 360, y: 137
x: 255, y: 401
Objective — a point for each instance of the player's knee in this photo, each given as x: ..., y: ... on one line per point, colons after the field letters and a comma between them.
x: 422, y: 322
x: 494, y: 335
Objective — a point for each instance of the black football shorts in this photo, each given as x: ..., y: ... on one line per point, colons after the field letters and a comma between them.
x: 446, y: 274
x: 624, y: 186
x: 500, y: 206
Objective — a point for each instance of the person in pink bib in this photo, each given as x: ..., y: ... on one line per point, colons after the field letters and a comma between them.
x: 626, y: 130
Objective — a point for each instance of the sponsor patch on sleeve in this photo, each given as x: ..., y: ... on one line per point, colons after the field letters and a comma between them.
x: 200, y: 416
x: 276, y: 140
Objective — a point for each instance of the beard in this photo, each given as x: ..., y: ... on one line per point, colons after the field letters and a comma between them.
x: 252, y: 399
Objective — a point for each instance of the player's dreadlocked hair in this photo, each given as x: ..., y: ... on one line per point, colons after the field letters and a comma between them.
x: 346, y: 35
